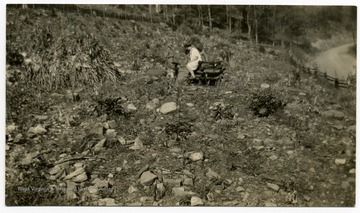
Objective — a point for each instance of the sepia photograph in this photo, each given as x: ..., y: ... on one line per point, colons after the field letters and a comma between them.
x: 177, y: 105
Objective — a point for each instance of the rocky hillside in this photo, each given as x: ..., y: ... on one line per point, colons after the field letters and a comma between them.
x: 264, y: 136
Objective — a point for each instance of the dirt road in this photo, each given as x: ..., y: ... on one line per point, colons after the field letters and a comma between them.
x: 337, y: 62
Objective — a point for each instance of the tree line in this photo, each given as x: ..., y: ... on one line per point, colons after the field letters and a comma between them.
x: 257, y: 23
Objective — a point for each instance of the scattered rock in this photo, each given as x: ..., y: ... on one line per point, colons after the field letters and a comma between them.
x: 17, y: 138
x: 29, y: 158
x: 196, y: 201
x: 75, y: 173
x: 130, y: 108
x: 302, y: 94
x: 146, y: 200
x: 93, y: 189
x: 212, y: 175
x: 147, y: 178
x: 168, y: 107
x: 151, y: 105
x: 100, y: 183
x: 188, y: 173
x: 137, y: 144
x: 78, y: 165
x: 70, y: 190
x: 340, y: 161
x: 265, y: 86
x: 338, y: 127
x: 258, y: 148
x: 142, y: 170
x: 352, y: 171
x: 110, y: 133
x: 273, y: 157
x: 172, y: 182
x: 307, y: 198
x: 273, y: 186
x: 160, y: 188
x: 175, y: 150
x: 240, y: 136
x: 132, y: 189
x: 7, y: 147
x: 106, y: 202
x: 121, y: 140
x: 188, y: 182
x: 98, y: 147
x: 180, y: 192
x: 334, y: 114
x: 41, y: 117
x: 240, y: 189
x: 196, y: 156
x: 190, y: 105
x: 10, y: 128
x: 240, y: 181
x: 38, y: 130
x: 112, y: 124
x: 80, y: 178
x: 56, y: 169
x: 97, y: 129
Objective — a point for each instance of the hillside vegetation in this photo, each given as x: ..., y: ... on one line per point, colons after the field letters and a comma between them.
x: 90, y: 119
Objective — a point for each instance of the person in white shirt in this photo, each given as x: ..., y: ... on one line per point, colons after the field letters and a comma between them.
x: 195, y: 57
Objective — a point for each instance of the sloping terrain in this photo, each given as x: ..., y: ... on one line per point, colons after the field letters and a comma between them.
x: 264, y: 136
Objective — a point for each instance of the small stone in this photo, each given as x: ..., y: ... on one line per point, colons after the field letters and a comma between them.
x: 80, y: 178
x: 7, y: 147
x: 41, y: 117
x: 56, y: 169
x: 78, y: 165
x: 188, y: 182
x: 240, y: 136
x: 110, y: 175
x: 196, y: 201
x: 290, y: 152
x: 99, y: 146
x: 352, y: 171
x: 258, y: 148
x: 112, y: 124
x: 160, y: 188
x: 312, y: 170
x: 106, y: 202
x: 338, y: 127
x: 130, y: 108
x: 340, y: 161
x: 175, y: 150
x: 110, y: 133
x: 240, y: 189
x: 265, y: 86
x: 93, y: 189
x: 146, y: 199
x: 97, y: 129
x: 273, y: 157
x: 142, y: 170
x: 100, y: 183
x: 168, y: 108
x: 29, y: 158
x: 351, y: 128
x: 38, y: 130
x: 190, y: 105
x: 147, y: 178
x: 179, y: 191
x: 212, y: 175
x: 307, y: 198
x: 273, y: 186
x: 188, y: 173
x: 196, y: 156
x: 240, y: 181
x: 172, y: 182
x: 302, y: 94
x: 118, y: 169
x: 151, y: 105
x: 70, y: 190
x: 17, y: 138
x: 137, y: 144
x: 75, y: 173
x: 132, y: 189
x: 121, y: 140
